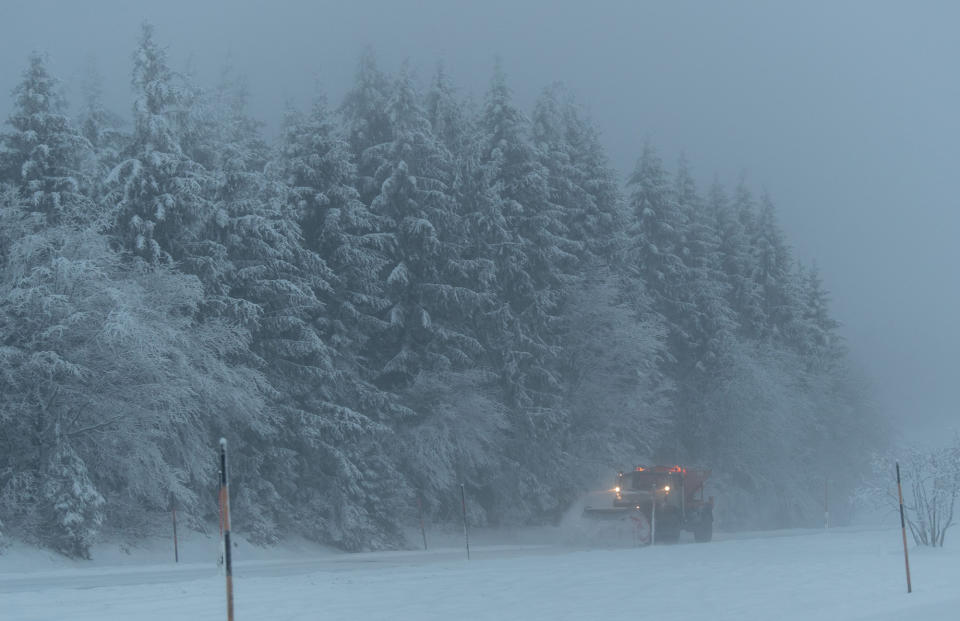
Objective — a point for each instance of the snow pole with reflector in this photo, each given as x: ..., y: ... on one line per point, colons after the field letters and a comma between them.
x: 225, y: 517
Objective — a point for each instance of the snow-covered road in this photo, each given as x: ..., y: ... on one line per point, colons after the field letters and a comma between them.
x: 840, y: 574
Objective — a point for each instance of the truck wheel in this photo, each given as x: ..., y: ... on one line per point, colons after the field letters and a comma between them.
x: 703, y: 532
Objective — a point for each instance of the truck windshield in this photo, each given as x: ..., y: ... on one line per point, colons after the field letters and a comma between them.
x: 646, y: 480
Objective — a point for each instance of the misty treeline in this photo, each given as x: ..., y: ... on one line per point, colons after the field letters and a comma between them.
x: 404, y: 292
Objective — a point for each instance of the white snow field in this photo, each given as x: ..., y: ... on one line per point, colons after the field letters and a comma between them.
x: 783, y: 575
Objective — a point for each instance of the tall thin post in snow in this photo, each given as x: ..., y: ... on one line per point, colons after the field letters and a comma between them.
x: 225, y: 507
x: 826, y: 504
x: 423, y: 531
x: 173, y: 512
x: 466, y: 533
x: 903, y: 529
x: 220, y: 549
x: 653, y: 515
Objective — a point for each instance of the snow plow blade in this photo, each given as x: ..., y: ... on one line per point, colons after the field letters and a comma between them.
x: 607, y: 513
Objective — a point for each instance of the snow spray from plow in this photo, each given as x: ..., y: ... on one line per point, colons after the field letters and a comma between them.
x: 587, y: 523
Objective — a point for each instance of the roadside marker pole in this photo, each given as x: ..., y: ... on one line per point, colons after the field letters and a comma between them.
x: 220, y: 549
x: 173, y: 511
x: 225, y: 508
x: 653, y: 515
x: 903, y: 529
x: 466, y: 533
x: 423, y: 531
x: 826, y: 505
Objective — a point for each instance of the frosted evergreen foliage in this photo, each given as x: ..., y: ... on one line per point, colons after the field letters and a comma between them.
x: 367, y: 118
x: 425, y: 281
x: 157, y: 188
x: 317, y: 167
x: 43, y: 151
x: 382, y: 304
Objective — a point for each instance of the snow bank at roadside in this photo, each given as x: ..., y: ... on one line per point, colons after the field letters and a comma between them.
x: 842, y: 574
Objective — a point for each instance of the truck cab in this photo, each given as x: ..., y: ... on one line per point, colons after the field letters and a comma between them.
x: 670, y: 497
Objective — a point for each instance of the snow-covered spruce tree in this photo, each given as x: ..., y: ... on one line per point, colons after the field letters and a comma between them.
x: 527, y: 278
x: 316, y: 165
x: 447, y: 115
x: 425, y: 280
x: 103, y: 131
x: 709, y: 321
x: 656, y: 231
x: 43, y: 152
x: 775, y: 276
x: 582, y: 185
x: 435, y: 292
x: 702, y: 319
x: 226, y: 141
x: 653, y: 260
x: 366, y: 115
x: 158, y: 190
x: 818, y: 340
x: 316, y: 455
x: 310, y: 477
x: 599, y: 223
x: 736, y: 223
x: 523, y: 332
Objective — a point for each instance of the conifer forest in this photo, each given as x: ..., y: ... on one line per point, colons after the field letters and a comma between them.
x: 398, y: 293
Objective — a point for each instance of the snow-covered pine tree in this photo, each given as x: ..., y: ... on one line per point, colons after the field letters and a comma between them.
x: 103, y: 131
x: 775, y: 275
x: 737, y: 261
x: 703, y: 318
x: 602, y: 219
x: 425, y: 280
x: 709, y: 320
x: 316, y: 165
x: 738, y: 231
x: 228, y: 145
x: 582, y: 185
x: 819, y: 339
x: 448, y: 119
x: 157, y: 189
x: 528, y: 267
x: 313, y: 477
x: 43, y: 152
x: 522, y: 334
x: 366, y: 114
x: 656, y: 233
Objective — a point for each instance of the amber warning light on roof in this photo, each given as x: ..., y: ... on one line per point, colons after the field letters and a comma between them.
x: 663, y: 469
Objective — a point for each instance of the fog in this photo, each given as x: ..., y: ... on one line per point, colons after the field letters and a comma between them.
x: 845, y: 112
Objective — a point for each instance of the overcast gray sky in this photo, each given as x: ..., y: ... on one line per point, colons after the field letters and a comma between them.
x: 846, y: 112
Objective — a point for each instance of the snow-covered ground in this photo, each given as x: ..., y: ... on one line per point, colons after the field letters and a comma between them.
x: 843, y: 574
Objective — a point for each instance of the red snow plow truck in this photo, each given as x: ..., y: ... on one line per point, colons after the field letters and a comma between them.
x: 667, y: 498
